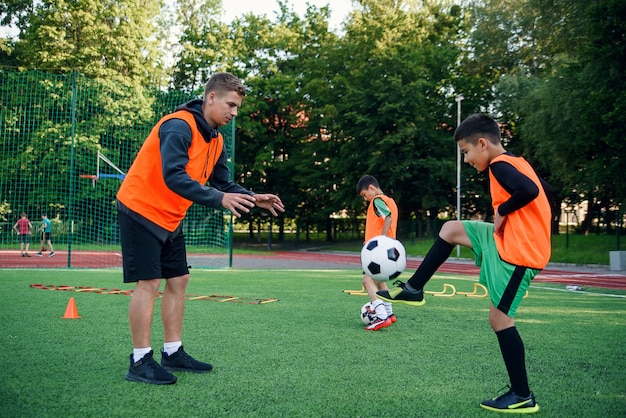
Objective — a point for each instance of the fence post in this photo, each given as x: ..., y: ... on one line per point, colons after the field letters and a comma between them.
x: 72, y: 175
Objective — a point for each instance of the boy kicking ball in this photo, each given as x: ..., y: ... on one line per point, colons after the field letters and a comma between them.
x: 510, y: 252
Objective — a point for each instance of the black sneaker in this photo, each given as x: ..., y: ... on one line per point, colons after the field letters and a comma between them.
x: 149, y: 371
x: 511, y: 402
x: 183, y: 362
x: 401, y: 295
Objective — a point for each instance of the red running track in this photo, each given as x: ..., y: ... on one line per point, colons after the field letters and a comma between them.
x: 569, y: 275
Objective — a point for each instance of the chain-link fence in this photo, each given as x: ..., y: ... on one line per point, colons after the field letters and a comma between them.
x: 65, y: 143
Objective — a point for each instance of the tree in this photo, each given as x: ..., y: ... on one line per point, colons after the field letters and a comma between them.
x: 102, y: 39
x: 280, y: 59
x: 203, y: 43
x: 393, y: 69
x: 566, y: 117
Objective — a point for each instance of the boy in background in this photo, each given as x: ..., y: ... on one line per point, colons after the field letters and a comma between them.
x: 510, y: 252
x: 45, y: 230
x: 382, y: 219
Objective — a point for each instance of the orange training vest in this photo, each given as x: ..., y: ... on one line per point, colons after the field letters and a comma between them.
x: 374, y: 223
x: 526, y: 240
x: 144, y: 190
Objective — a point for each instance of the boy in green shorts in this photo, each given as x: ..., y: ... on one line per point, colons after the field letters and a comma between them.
x: 510, y: 252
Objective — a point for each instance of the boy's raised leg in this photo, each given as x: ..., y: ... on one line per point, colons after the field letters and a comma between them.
x: 412, y: 293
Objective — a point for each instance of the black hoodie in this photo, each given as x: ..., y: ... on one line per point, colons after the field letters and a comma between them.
x: 175, y: 136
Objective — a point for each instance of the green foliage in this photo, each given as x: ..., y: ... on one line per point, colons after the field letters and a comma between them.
x: 324, y: 108
x: 54, y: 126
x: 556, y: 75
x: 391, y: 94
x: 202, y: 40
x: 307, y: 354
x: 102, y: 39
x: 575, y: 248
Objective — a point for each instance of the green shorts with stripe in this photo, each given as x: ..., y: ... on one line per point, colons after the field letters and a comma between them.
x: 507, y: 283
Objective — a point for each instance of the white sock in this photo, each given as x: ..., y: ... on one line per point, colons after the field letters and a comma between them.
x: 388, y: 308
x: 172, y: 347
x: 138, y: 353
x: 379, y: 307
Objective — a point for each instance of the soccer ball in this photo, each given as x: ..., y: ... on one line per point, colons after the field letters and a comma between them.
x: 368, y: 314
x: 383, y: 258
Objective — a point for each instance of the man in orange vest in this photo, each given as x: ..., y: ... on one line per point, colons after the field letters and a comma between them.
x: 183, y: 153
x: 510, y: 252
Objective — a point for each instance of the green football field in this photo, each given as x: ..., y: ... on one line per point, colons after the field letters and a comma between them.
x: 305, y: 354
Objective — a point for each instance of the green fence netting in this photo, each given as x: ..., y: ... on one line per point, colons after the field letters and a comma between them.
x: 65, y: 143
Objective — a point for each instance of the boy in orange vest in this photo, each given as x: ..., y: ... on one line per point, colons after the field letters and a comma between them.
x: 510, y: 252
x: 382, y: 219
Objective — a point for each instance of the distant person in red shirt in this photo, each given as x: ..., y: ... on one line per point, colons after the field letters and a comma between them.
x: 24, y: 229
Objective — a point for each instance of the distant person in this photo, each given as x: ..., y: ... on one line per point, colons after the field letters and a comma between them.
x: 382, y: 219
x: 45, y: 230
x: 183, y: 152
x: 24, y: 229
x: 510, y: 252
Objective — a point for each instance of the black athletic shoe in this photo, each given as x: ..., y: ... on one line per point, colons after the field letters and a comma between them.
x: 401, y: 295
x: 511, y: 402
x: 183, y: 362
x: 149, y: 371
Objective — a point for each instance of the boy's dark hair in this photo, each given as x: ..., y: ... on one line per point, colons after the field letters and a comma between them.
x: 478, y: 126
x: 365, y: 182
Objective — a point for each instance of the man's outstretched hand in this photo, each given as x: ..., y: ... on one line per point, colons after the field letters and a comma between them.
x: 270, y: 202
x: 239, y: 203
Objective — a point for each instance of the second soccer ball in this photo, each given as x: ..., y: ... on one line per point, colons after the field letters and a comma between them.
x: 368, y: 314
x: 383, y: 258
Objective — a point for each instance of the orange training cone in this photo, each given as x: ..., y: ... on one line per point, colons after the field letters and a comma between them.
x: 71, y: 312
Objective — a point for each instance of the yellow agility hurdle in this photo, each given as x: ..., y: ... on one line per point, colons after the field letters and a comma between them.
x: 444, y: 293
x: 475, y: 293
x: 479, y: 291
x: 361, y: 292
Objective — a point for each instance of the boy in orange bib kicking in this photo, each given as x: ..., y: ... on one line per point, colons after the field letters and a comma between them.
x: 510, y: 252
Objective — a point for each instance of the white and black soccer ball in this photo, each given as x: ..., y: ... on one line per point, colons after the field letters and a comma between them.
x: 368, y: 313
x: 383, y: 258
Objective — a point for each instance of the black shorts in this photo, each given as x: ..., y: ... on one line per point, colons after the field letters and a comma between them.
x: 25, y: 238
x: 45, y: 236
x: 144, y: 256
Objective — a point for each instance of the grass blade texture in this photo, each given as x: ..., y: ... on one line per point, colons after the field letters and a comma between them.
x: 306, y: 355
